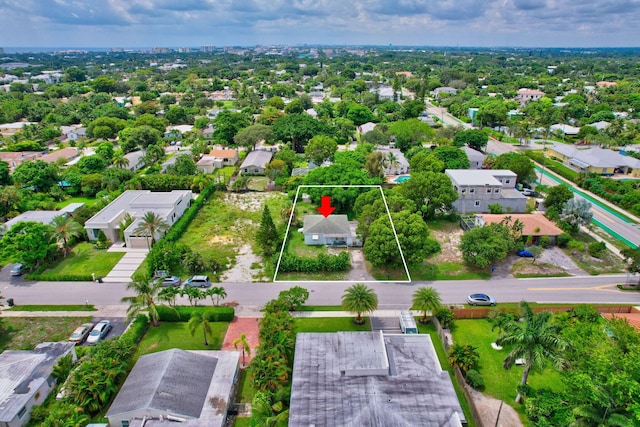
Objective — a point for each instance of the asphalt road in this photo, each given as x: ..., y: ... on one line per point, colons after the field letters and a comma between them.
x: 444, y: 116
x: 628, y: 231
x: 575, y: 289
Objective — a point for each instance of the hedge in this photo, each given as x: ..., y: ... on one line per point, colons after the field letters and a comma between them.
x: 49, y: 277
x: 553, y: 165
x: 184, y: 313
x: 137, y: 328
x: 181, y: 225
x: 323, y: 262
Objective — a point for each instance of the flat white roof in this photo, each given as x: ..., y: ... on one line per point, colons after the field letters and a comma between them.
x: 475, y: 177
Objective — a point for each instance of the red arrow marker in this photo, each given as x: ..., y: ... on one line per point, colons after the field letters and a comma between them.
x: 325, y: 206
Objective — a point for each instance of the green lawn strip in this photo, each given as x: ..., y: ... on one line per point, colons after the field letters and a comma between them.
x: 500, y: 383
x: 330, y: 324
x: 89, y: 201
x: 444, y: 363
x: 321, y: 308
x: 24, y: 333
x: 324, y: 276
x: 446, y: 271
x: 242, y: 422
x: 297, y: 246
x: 245, y: 387
x: 77, y: 307
x: 85, y: 259
x: 176, y: 335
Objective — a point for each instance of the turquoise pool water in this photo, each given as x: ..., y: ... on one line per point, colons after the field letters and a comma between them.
x: 402, y: 178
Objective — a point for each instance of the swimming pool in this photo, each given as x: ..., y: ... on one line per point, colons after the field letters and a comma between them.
x: 402, y: 178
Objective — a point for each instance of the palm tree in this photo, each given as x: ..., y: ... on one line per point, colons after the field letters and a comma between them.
x: 146, y: 293
x: 65, y: 228
x: 426, y: 299
x: 200, y: 182
x: 534, y: 341
x: 151, y: 224
x: 120, y: 162
x: 216, y: 293
x: 199, y: 319
x: 359, y: 299
x: 392, y: 161
x: 246, y: 348
x: 169, y: 294
x: 153, y: 154
x: 125, y: 222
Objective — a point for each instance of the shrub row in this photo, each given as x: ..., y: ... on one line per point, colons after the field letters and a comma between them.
x: 553, y: 165
x: 184, y: 313
x: 165, y: 182
x: 181, y: 225
x: 323, y: 262
x: 137, y: 328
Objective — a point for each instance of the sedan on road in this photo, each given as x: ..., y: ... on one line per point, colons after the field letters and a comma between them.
x: 17, y: 270
x: 99, y: 331
x: 80, y: 334
x: 480, y: 299
x: 169, y: 281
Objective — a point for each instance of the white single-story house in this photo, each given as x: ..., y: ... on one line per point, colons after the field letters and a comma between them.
x: 333, y: 230
x: 44, y: 217
x: 135, y: 160
x: 177, y: 387
x: 256, y: 162
x: 217, y: 159
x: 169, y: 206
x: 26, y: 380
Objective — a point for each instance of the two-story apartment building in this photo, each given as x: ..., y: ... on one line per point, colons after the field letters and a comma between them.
x: 477, y: 189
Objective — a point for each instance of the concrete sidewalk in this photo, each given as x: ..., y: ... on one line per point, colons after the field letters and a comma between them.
x: 102, y: 311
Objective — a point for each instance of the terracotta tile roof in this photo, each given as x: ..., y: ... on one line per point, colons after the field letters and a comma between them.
x: 64, y: 153
x: 223, y: 154
x: 531, y: 223
x: 632, y: 318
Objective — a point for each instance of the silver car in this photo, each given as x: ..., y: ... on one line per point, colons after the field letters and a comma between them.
x: 169, y: 281
x: 81, y: 333
x: 99, y: 331
x: 17, y: 270
x: 480, y: 299
x: 198, y: 281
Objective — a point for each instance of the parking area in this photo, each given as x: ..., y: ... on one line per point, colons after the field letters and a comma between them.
x: 118, y: 326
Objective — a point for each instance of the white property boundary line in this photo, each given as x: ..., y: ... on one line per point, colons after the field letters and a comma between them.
x: 395, y: 234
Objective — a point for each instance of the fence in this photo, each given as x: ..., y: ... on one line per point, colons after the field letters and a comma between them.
x: 447, y: 341
x: 482, y: 312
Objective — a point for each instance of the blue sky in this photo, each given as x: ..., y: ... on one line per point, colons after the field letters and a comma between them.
x: 175, y: 23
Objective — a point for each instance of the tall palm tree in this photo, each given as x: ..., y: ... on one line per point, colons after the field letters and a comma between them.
x: 169, y: 294
x: 65, y: 228
x: 199, y: 320
x: 426, y: 299
x: 392, y: 161
x: 125, y: 222
x: 534, y: 340
x: 145, y: 299
x: 246, y: 348
x: 151, y: 225
x: 153, y: 154
x: 359, y: 299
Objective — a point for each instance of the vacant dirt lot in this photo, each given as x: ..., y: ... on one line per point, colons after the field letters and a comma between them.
x: 449, y: 238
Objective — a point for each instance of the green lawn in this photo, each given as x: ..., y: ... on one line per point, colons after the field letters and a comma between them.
x: 176, y: 335
x: 242, y: 422
x: 321, y: 308
x: 24, y: 333
x: 500, y: 383
x: 608, y: 263
x: 245, y: 388
x: 330, y: 324
x: 85, y: 259
x: 89, y: 201
x: 77, y: 307
x: 446, y: 271
x: 444, y: 363
x: 296, y: 245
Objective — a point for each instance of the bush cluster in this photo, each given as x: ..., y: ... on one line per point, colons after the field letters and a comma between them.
x: 597, y: 248
x: 323, y: 262
x: 137, y: 328
x: 475, y: 379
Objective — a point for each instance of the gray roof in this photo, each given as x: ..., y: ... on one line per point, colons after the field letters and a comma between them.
x: 175, y: 381
x: 473, y: 155
x: 596, y: 157
x: 475, y: 177
x: 257, y: 158
x: 22, y: 372
x: 330, y: 226
x: 137, y: 203
x: 412, y: 390
x: 44, y: 217
x: 400, y: 158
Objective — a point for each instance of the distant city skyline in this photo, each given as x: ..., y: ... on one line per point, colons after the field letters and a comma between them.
x: 192, y: 23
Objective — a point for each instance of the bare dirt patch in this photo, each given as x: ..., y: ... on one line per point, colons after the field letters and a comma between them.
x: 525, y: 267
x: 449, y: 239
